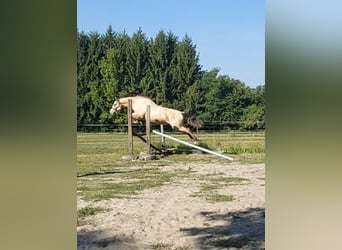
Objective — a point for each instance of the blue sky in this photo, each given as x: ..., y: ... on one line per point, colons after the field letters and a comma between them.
x: 228, y: 34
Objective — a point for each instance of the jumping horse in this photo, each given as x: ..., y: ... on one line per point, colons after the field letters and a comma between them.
x: 158, y: 114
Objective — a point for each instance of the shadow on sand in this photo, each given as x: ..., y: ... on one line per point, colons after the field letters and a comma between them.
x: 97, y: 240
x: 241, y: 230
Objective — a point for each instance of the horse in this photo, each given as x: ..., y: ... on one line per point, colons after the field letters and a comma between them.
x: 158, y: 114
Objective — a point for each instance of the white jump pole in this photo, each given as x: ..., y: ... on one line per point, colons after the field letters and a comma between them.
x: 193, y: 146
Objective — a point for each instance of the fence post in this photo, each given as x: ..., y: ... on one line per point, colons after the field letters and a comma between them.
x: 162, y: 139
x: 130, y: 131
x: 148, y: 129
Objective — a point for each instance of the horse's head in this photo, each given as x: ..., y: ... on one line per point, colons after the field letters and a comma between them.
x: 116, y: 106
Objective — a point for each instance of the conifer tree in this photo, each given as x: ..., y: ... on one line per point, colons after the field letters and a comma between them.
x: 82, y: 77
x: 163, y: 68
x: 137, y: 61
x: 155, y: 84
x: 185, y: 70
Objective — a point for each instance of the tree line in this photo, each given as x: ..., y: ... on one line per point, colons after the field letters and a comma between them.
x: 164, y: 68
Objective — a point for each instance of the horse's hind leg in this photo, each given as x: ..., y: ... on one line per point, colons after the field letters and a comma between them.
x: 189, y: 133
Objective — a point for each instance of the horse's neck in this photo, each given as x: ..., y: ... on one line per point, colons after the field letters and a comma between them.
x: 124, y: 100
x: 135, y: 99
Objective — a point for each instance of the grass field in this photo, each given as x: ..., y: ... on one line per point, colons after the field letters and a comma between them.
x: 104, y: 151
x: 101, y: 153
x: 108, y: 189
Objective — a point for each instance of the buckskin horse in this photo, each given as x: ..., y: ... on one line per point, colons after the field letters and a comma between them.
x: 158, y: 114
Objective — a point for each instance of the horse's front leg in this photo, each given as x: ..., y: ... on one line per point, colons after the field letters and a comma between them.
x: 187, y: 131
x: 136, y: 117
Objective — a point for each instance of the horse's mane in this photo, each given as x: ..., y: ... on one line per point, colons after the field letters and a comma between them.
x: 137, y: 94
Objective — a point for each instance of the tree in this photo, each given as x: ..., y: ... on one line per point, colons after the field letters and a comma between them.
x: 137, y: 61
x: 93, y: 96
x: 196, y: 99
x: 82, y: 77
x: 219, y: 98
x: 156, y: 81
x: 254, y: 115
x: 185, y: 71
x: 120, y: 64
x: 163, y: 68
x: 109, y: 85
x: 109, y: 39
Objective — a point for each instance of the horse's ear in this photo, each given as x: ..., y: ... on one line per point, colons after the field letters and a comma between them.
x: 117, y: 99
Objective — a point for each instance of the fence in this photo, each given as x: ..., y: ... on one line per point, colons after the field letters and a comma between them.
x: 211, y: 126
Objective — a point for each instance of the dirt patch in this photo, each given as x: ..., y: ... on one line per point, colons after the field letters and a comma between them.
x: 179, y: 216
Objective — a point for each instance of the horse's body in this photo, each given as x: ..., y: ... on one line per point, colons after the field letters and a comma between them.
x: 158, y: 114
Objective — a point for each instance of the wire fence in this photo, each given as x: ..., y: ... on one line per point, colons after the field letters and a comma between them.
x: 211, y: 126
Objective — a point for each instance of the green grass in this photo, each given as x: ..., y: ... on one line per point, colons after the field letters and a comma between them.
x: 210, y: 192
x: 251, y: 145
x: 165, y: 246
x: 215, y: 197
x: 161, y: 246
x: 226, y: 180
x: 103, y: 151
x: 243, y: 148
x: 123, y: 184
x: 88, y: 211
x: 104, y: 175
x: 210, y: 188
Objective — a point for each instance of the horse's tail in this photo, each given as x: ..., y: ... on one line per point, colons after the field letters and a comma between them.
x: 192, y: 120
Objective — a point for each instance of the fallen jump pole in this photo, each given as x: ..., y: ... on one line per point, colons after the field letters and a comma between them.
x: 192, y: 145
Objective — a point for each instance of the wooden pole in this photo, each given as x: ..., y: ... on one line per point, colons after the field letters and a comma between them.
x: 130, y: 131
x: 148, y: 129
x: 152, y: 146
x: 162, y: 139
x: 192, y: 145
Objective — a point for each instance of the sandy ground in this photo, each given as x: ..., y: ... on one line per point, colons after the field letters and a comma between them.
x: 172, y: 217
